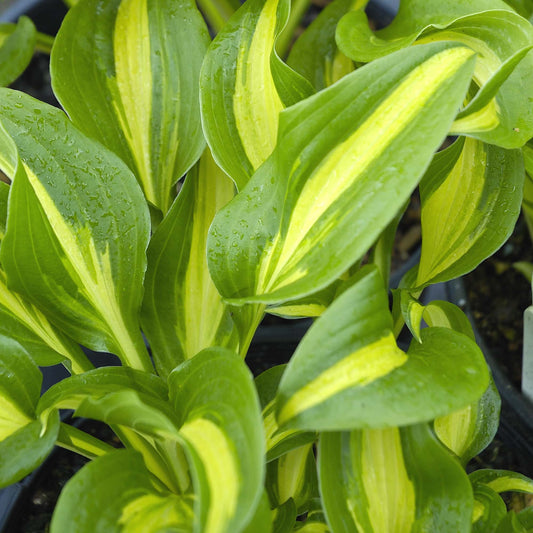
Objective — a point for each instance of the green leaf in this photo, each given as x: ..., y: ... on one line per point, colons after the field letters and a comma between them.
x: 489, y: 509
x: 261, y: 522
x: 4, y: 193
x: 136, y: 88
x: 278, y: 442
x: 337, y: 177
x: 470, y: 430
x: 527, y: 200
x: 502, y: 480
x: 500, y: 112
x: 214, y: 396
x: 114, y: 493
x: 293, y: 477
x: 178, y: 287
x: 392, y: 480
x: 89, y: 228
x: 25, y: 442
x: 244, y: 86
x: 315, y: 55
x: 470, y: 203
x: 16, y: 49
x: 349, y: 373
x: 510, y: 524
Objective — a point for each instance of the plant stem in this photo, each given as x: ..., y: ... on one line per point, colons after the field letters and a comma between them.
x: 44, y: 43
x: 76, y: 440
x: 217, y: 12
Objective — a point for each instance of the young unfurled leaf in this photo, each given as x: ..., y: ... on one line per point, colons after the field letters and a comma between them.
x: 16, y: 49
x: 315, y: 54
x: 470, y: 203
x: 345, y: 162
x: 114, y: 493
x: 500, y: 113
x: 182, y: 312
x: 244, y: 86
x: 502, y: 480
x: 214, y: 396
x: 489, y: 509
x: 89, y: 228
x: 136, y: 68
x: 25, y: 441
x: 393, y: 479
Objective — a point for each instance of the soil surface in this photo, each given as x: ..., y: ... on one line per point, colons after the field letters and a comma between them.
x: 498, y: 294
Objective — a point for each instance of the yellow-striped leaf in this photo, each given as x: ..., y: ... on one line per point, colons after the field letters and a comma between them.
x: 470, y: 203
x: 346, y: 161
x: 400, y: 480
x: 25, y: 441
x: 115, y: 493
x: 182, y: 312
x: 220, y: 416
x: 499, y: 112
x: 349, y: 373
x: 16, y: 49
x: 89, y: 225
x: 244, y: 86
x: 136, y: 65
x: 502, y: 480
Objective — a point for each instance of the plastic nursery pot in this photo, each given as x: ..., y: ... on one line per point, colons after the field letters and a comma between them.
x: 516, y: 419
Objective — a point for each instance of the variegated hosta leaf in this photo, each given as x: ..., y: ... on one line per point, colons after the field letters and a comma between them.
x: 244, y: 86
x: 315, y: 54
x: 89, y: 225
x: 136, y: 66
x: 349, y: 373
x: 278, y: 442
x: 293, y: 476
x: 489, y: 509
x: 400, y: 480
x: 215, y: 399
x: 346, y: 161
x: 4, y: 194
x: 25, y: 441
x: 182, y: 312
x: 16, y: 49
x: 470, y: 430
x: 114, y: 493
x: 502, y: 480
x: 500, y: 113
x: 471, y: 197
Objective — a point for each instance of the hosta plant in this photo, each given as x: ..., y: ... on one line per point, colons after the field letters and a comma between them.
x: 298, y: 167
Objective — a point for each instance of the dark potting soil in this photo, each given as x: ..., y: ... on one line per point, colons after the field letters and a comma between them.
x: 498, y: 295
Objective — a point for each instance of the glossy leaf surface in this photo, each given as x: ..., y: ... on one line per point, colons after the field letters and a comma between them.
x: 244, y: 86
x: 89, y: 227
x: 135, y: 85
x: 500, y: 113
x: 338, y: 175
x: 470, y: 203
x: 349, y: 373
x: 399, y: 480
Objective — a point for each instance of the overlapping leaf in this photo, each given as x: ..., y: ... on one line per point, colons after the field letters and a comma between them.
x: 126, y: 71
x: 182, y: 312
x: 25, y: 441
x: 345, y: 162
x: 115, y: 493
x: 500, y: 113
x: 216, y: 401
x: 16, y: 49
x: 470, y: 203
x: 244, y: 86
x: 349, y: 373
x: 315, y: 54
x: 78, y: 228
x: 399, y: 480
